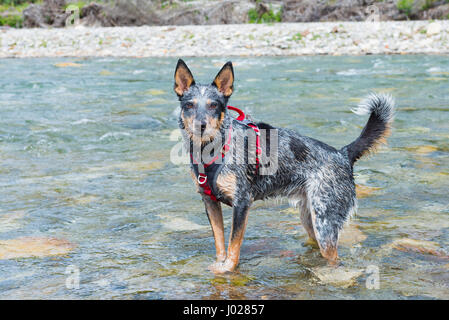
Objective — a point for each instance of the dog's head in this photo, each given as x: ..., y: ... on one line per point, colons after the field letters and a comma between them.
x: 203, y: 107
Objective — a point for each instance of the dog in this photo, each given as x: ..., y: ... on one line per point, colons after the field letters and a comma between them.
x: 309, y: 172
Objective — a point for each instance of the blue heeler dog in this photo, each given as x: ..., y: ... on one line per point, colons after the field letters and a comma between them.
x: 309, y: 172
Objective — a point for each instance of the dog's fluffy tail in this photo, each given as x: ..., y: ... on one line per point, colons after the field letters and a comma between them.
x: 381, y: 110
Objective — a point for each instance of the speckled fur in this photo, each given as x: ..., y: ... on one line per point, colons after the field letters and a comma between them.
x: 311, y: 174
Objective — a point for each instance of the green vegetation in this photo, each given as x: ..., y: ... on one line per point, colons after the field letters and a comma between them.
x: 13, y: 2
x: 297, y: 37
x: 11, y: 12
x: 169, y: 5
x: 405, y: 6
x: 15, y: 20
x: 267, y: 17
x: 428, y: 4
x: 79, y: 4
x: 18, y: 5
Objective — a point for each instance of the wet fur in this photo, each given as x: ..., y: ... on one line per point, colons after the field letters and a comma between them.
x: 311, y: 174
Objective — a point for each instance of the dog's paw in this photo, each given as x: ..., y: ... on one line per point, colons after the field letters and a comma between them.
x: 221, y: 267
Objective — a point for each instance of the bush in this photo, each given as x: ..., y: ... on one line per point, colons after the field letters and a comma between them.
x: 79, y: 4
x: 405, y: 6
x: 428, y: 4
x: 267, y: 17
x: 15, y: 5
x: 11, y: 20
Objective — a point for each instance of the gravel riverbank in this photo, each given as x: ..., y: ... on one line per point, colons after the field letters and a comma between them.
x: 334, y: 38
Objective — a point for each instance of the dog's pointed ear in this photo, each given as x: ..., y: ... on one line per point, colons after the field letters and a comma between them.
x: 224, y: 81
x: 183, y: 78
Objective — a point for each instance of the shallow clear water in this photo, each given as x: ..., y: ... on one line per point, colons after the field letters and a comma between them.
x: 84, y: 157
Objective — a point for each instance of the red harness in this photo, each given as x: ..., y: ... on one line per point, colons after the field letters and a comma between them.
x: 202, y: 176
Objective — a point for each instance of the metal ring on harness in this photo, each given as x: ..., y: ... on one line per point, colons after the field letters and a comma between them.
x: 202, y: 179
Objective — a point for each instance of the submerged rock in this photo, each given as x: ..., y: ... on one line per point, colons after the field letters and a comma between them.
x: 180, y: 224
x: 364, y: 191
x: 422, y: 150
x: 27, y: 247
x: 106, y: 73
x: 68, y: 64
x: 351, y: 235
x: 419, y: 246
x: 155, y: 92
x: 339, y: 277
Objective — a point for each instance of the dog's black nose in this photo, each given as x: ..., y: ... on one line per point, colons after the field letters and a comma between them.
x: 203, y: 126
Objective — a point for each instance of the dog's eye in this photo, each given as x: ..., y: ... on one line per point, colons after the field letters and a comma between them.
x: 189, y: 105
x: 213, y: 105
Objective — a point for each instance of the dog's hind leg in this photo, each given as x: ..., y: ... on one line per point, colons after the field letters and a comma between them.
x: 306, y: 220
x: 330, y: 206
x: 215, y: 216
x: 300, y: 200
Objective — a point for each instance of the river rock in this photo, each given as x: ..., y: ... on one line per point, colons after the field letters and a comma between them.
x: 439, y: 12
x: 181, y: 224
x: 351, y: 235
x: 39, y: 247
x: 419, y: 246
x: 422, y: 150
x: 364, y: 191
x: 345, y: 10
x: 433, y: 29
x: 211, y: 12
x: 33, y: 17
x: 96, y: 15
x: 196, y: 40
x: 68, y: 64
x: 339, y: 276
x: 50, y: 14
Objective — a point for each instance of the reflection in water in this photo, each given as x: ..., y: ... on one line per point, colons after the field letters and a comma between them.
x: 86, y: 181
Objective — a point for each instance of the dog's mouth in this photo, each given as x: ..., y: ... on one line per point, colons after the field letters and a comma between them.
x: 204, y: 134
x: 201, y: 133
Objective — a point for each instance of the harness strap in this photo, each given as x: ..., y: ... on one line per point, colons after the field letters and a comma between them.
x: 241, y: 116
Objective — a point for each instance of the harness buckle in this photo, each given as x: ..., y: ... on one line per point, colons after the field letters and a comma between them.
x: 202, y: 178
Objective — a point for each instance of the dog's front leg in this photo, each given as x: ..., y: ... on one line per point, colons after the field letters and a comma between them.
x: 239, y: 220
x: 215, y: 216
